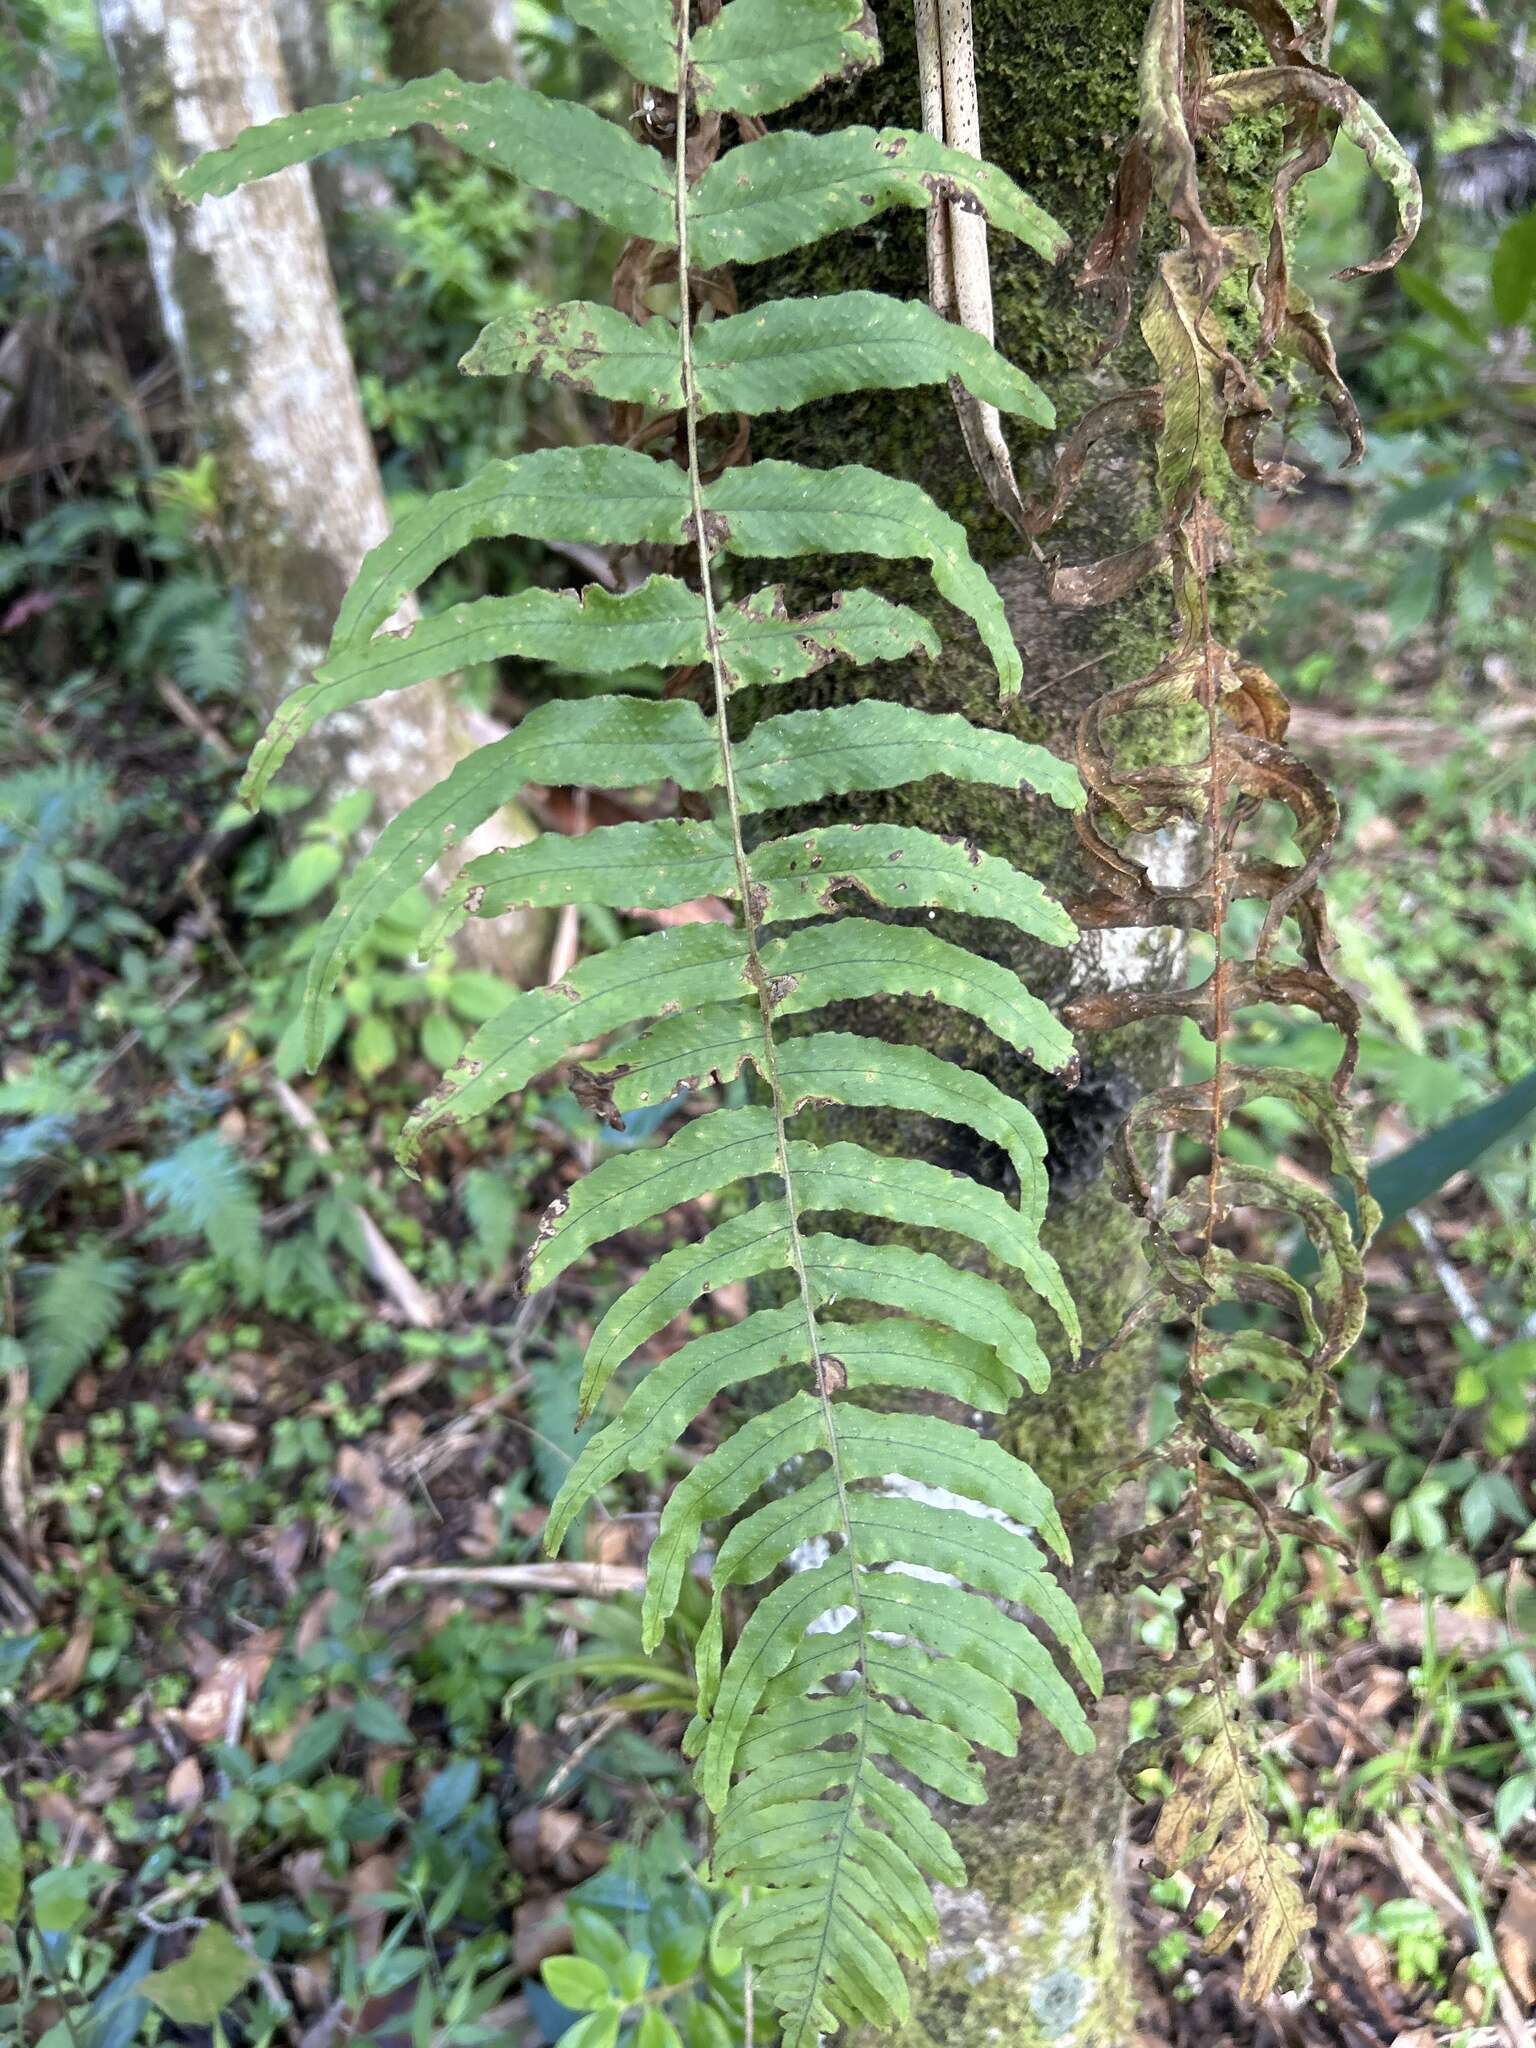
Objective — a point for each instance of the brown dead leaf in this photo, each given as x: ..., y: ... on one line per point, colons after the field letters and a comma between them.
x: 540, y: 1929
x: 284, y: 1550
x: 375, y: 1874
x: 309, y: 1878
x: 531, y: 1755
x: 219, y: 1705
x: 1514, y: 1937
x: 375, y: 1508
x: 1403, y: 1625
x: 613, y: 1543
x: 545, y: 1839
x: 184, y: 1786
x: 67, y: 1669
x: 311, y: 1981
x: 313, y: 1622
x: 410, y: 1379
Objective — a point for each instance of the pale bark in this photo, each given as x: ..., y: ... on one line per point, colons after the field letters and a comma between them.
x: 309, y: 62
x: 249, y: 306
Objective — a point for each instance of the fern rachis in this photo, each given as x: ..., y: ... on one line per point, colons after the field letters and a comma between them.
x: 887, y: 1661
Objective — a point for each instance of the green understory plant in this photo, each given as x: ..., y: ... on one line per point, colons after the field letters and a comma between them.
x: 869, y: 1664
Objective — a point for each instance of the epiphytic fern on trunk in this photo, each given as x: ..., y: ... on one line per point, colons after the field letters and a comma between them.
x: 886, y: 1662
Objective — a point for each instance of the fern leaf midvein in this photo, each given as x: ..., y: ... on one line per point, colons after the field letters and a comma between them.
x: 770, y: 1067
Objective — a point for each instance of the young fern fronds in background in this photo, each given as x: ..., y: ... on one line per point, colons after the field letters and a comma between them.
x: 886, y: 1661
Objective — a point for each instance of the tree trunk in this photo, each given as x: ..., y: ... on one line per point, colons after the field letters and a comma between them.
x: 249, y: 306
x: 475, y: 38
x: 1036, y: 1949
x: 309, y: 62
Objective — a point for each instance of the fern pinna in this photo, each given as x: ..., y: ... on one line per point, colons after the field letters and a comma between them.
x: 885, y: 1662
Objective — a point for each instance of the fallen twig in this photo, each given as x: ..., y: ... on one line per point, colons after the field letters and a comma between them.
x: 384, y: 1262
x: 559, y: 1577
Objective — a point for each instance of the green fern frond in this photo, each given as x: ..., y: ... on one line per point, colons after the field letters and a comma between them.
x: 73, y: 1309
x: 203, y: 1189
x: 46, y: 815
x: 882, y: 1541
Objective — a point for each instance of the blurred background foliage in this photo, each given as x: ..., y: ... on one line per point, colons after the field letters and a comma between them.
x: 250, y: 1371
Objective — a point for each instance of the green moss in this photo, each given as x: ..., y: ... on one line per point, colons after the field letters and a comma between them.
x: 1032, y: 1952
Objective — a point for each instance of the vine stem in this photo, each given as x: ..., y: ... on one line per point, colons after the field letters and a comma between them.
x: 755, y: 970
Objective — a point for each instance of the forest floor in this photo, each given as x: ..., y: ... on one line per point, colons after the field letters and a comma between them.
x: 259, y: 1674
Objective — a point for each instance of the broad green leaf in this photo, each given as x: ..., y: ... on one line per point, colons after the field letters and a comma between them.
x: 714, y: 1152
x: 790, y: 351
x: 715, y: 1045
x: 623, y: 496
x: 587, y: 347
x: 610, y: 495
x: 792, y: 188
x: 987, y: 1553
x: 716, y: 1487
x: 900, y: 865
x: 741, y: 1248
x: 213, y: 1972
x: 619, y: 496
x: 932, y: 1451
x: 623, y: 1192
x: 803, y: 756
x: 555, y: 145
x: 857, y: 958
x: 596, y: 633
x: 580, y: 1985
x: 643, y: 866
x: 60, y: 1899
x: 762, y: 642
x: 1512, y: 272
x: 664, y: 862
x: 849, y: 1179
x: 761, y: 55
x: 964, y: 1625
x: 672, y: 1394
x: 775, y: 509
x: 696, y: 963
x: 934, y: 1754
x: 922, y: 1284
x: 767, y: 1642
x: 602, y: 742
x: 775, y: 357
x: 641, y: 34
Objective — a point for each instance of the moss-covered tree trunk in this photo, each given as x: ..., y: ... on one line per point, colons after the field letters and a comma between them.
x: 249, y: 306
x: 1036, y: 1949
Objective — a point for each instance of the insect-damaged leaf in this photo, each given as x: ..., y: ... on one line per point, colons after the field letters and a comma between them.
x: 606, y: 742
x: 773, y: 509
x: 696, y: 964
x: 778, y: 194
x: 753, y: 58
x: 759, y: 55
x: 775, y: 357
x: 555, y: 145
